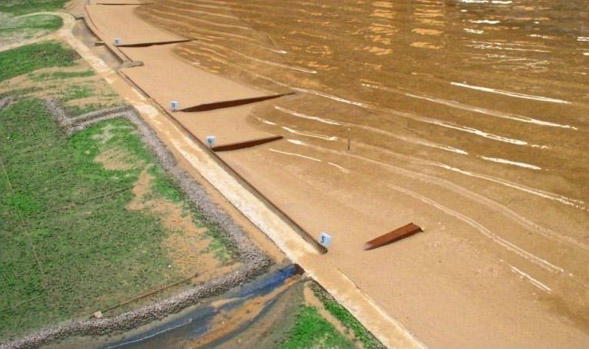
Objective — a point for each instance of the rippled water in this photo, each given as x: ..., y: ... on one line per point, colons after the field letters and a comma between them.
x: 497, y: 81
x: 488, y: 97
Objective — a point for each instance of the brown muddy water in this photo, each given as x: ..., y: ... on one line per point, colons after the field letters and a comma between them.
x: 485, y: 100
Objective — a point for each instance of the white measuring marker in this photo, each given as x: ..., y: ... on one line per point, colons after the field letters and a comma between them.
x: 325, y: 239
x: 211, y: 141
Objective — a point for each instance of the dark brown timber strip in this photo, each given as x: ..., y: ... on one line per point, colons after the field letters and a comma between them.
x: 246, y: 144
x: 393, y: 236
x: 231, y: 103
x: 152, y: 43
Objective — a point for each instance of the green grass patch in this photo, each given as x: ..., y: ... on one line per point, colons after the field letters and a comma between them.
x: 221, y: 246
x: 76, y: 110
x: 45, y: 23
x: 311, y: 330
x: 345, y: 318
x: 17, y: 29
x: 20, y: 7
x: 163, y: 186
x: 61, y: 75
x: 32, y: 57
x: 68, y: 244
x: 20, y: 92
x: 65, y: 254
x: 77, y: 92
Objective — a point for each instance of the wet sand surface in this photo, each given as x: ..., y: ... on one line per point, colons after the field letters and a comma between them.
x: 195, y: 88
x: 467, y: 118
x: 129, y: 32
x: 191, y: 87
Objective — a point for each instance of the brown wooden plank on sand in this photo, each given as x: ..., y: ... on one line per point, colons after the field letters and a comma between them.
x: 393, y: 236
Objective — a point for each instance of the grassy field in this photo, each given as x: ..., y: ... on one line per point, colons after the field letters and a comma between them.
x: 67, y: 251
x: 70, y: 245
x: 52, y: 70
x: 21, y: 7
x: 16, y: 28
x: 311, y: 330
x: 345, y: 318
x: 32, y: 57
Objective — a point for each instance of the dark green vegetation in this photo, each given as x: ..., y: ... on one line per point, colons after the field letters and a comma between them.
x: 61, y: 75
x: 31, y: 57
x: 77, y: 92
x: 46, y: 23
x: 20, y: 92
x: 68, y: 86
x: 345, y: 318
x: 69, y: 247
x: 311, y: 330
x: 68, y: 244
x: 16, y: 29
x: 21, y: 7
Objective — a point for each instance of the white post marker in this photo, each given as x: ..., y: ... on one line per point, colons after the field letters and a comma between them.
x: 174, y: 105
x: 325, y: 239
x: 211, y: 141
x: 118, y: 41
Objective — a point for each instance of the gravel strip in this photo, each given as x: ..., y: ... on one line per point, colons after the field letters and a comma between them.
x: 57, y: 111
x: 97, y: 114
x: 5, y: 102
x: 76, y: 126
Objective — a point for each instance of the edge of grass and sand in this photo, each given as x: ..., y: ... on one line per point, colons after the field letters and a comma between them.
x: 73, y: 244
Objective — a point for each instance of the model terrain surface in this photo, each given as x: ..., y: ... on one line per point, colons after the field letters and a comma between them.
x: 104, y: 231
x: 170, y: 169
